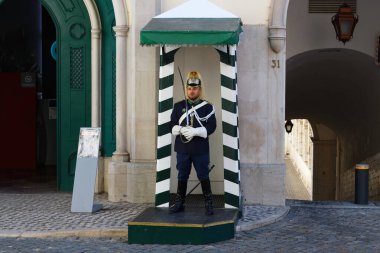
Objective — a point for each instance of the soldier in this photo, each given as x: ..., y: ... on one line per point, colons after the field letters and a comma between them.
x: 192, y: 121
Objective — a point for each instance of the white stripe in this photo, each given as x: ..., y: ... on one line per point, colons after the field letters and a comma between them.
x: 229, y: 206
x: 165, y: 94
x: 170, y: 48
x: 164, y: 117
x: 231, y: 165
x: 164, y: 205
x: 230, y: 118
x: 230, y: 141
x: 221, y: 48
x: 190, y: 110
x: 164, y: 140
x: 231, y: 187
x: 162, y: 186
x: 228, y: 94
x: 163, y: 163
x: 232, y: 49
x: 167, y: 70
x: 227, y: 70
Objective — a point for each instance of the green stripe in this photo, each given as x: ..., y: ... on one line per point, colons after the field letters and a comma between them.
x: 163, y: 175
x: 166, y: 82
x: 228, y: 82
x: 231, y: 199
x: 231, y: 176
x: 162, y: 198
x: 226, y: 58
x: 165, y: 151
x: 167, y: 58
x: 230, y: 153
x: 164, y: 129
x: 165, y: 105
x: 228, y: 106
x: 229, y: 129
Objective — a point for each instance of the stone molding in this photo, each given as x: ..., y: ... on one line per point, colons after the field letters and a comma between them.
x: 277, y: 25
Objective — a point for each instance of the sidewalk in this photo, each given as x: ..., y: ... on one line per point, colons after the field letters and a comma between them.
x: 48, y: 215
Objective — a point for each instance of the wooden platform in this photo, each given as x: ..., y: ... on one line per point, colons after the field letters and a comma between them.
x: 157, y: 226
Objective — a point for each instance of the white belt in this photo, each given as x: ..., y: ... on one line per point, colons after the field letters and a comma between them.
x: 193, y: 109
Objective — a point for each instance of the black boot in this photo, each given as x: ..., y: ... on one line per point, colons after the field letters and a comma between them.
x: 206, y: 188
x: 178, y: 205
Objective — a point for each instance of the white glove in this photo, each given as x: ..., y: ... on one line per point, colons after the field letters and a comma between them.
x: 190, y: 132
x: 176, y: 130
x: 201, y: 132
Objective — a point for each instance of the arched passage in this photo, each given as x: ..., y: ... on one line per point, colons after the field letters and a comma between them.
x: 338, y: 88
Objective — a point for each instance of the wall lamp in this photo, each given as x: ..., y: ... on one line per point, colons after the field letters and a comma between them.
x: 344, y: 22
x: 288, y: 126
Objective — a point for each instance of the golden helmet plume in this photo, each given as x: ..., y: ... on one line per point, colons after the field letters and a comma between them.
x: 194, y: 78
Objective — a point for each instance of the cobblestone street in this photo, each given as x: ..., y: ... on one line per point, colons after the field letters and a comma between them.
x: 41, y: 222
x: 304, y: 229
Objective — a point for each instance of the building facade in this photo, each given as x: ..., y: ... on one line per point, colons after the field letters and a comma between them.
x: 106, y: 78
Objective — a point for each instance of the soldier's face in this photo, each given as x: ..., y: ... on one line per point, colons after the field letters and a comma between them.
x: 193, y: 92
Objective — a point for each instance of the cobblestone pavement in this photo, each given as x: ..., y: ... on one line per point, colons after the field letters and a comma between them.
x: 48, y: 215
x: 304, y: 229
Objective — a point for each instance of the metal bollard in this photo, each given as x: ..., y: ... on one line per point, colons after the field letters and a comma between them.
x: 361, y: 184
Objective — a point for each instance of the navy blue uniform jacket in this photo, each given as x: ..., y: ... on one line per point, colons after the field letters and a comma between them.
x: 197, y: 145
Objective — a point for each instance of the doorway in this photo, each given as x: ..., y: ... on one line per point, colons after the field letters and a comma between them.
x: 59, y: 91
x: 25, y: 72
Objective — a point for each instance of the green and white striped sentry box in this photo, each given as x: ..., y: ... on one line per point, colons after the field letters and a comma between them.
x: 231, y: 155
x: 185, y: 25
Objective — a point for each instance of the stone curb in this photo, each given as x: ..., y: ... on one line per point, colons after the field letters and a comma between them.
x: 261, y: 223
x: 117, y: 233
x: 333, y: 204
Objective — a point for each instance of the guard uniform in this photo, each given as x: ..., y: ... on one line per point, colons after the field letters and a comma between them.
x: 200, y: 114
x: 192, y: 121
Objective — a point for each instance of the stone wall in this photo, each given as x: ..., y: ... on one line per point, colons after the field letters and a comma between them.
x: 347, y: 180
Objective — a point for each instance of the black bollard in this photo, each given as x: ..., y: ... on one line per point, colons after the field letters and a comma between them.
x: 361, y: 184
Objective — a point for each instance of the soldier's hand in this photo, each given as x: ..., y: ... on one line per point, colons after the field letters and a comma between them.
x: 188, y: 132
x: 176, y: 130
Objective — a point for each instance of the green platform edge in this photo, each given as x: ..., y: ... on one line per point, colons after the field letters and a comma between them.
x: 177, y: 234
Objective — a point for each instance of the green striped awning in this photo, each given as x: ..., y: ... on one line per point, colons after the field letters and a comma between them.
x: 191, y: 31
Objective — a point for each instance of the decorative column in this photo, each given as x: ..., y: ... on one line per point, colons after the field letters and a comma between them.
x: 118, y: 167
x: 121, y: 153
x: 95, y: 61
x: 95, y: 77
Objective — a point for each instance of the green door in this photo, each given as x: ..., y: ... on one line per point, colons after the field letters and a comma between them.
x: 73, y: 81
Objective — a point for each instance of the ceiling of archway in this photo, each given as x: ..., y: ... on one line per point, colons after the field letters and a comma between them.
x: 336, y: 87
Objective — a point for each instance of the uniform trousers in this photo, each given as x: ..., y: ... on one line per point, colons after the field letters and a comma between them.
x: 200, y: 162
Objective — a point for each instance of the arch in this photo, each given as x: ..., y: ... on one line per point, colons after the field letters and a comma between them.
x: 73, y: 81
x: 121, y: 12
